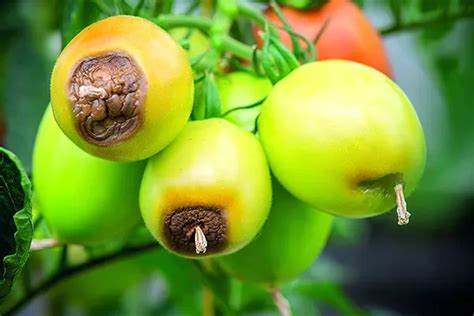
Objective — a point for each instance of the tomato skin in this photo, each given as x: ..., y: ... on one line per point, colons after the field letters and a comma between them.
x: 167, y: 89
x: 240, y: 89
x: 290, y: 241
x: 211, y: 164
x: 85, y: 200
x: 343, y: 140
x: 349, y: 35
x: 198, y: 42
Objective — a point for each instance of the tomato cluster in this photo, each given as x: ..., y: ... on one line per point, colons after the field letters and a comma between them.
x: 332, y: 138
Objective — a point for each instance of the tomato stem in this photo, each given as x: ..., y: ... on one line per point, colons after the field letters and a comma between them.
x: 40, y: 244
x: 281, y: 302
x: 200, y: 240
x: 228, y: 43
x: 403, y: 214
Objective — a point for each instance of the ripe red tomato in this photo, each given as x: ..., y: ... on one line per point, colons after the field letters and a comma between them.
x: 349, y: 34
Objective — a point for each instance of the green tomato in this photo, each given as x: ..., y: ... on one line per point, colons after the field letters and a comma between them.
x: 102, y: 287
x: 122, y: 89
x: 211, y: 183
x: 240, y: 89
x: 84, y: 199
x: 290, y: 241
x: 198, y: 42
x: 340, y: 136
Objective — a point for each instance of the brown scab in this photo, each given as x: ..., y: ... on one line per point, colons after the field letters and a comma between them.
x: 180, y: 224
x: 107, y: 93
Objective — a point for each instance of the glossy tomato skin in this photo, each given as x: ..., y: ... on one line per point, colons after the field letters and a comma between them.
x: 240, y: 89
x: 212, y: 166
x: 343, y: 140
x: 85, y: 200
x: 290, y: 241
x: 161, y: 105
x: 348, y: 35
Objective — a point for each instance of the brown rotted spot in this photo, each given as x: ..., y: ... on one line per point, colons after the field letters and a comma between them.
x: 180, y: 226
x: 107, y: 93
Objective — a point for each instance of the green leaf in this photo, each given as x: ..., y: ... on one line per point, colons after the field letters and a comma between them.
x: 330, y: 294
x: 199, y: 106
x: 16, y: 227
x: 78, y: 14
x: 213, y: 102
x: 207, y: 102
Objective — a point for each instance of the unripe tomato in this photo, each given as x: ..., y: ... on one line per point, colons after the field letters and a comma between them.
x: 198, y: 42
x: 348, y: 35
x: 85, y: 200
x: 240, y: 89
x: 122, y: 89
x: 209, y: 192
x: 340, y: 136
x: 100, y: 288
x: 290, y: 241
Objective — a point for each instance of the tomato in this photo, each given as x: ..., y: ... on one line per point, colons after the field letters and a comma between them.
x: 290, y: 241
x: 349, y: 34
x: 240, y: 89
x: 212, y: 183
x: 340, y: 136
x: 102, y: 288
x: 198, y: 42
x: 122, y: 89
x: 84, y: 199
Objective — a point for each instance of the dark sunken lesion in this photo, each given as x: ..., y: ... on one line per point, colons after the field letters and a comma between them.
x: 181, y: 223
x: 107, y: 93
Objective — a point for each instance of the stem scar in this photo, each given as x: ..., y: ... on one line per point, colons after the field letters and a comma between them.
x: 403, y: 214
x: 200, y: 240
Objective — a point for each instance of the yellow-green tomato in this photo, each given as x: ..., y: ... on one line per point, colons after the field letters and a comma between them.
x: 242, y: 89
x: 290, y: 241
x: 122, y: 89
x: 84, y: 199
x: 104, y: 286
x: 209, y: 192
x: 340, y: 135
x: 198, y: 42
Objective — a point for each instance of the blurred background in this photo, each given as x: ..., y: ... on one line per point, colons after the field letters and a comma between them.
x: 424, y: 268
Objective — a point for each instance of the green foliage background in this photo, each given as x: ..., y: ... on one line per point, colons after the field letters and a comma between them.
x: 433, y: 63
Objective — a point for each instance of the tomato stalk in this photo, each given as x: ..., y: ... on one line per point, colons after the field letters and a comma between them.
x: 205, y: 25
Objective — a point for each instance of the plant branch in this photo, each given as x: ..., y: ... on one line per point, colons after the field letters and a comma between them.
x: 40, y: 244
x: 281, y: 302
x: 69, y: 272
x: 441, y: 19
x: 205, y: 25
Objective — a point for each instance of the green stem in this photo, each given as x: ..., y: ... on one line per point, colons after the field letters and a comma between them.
x: 68, y: 272
x: 239, y: 49
x: 230, y: 44
x: 251, y: 13
x: 168, y: 21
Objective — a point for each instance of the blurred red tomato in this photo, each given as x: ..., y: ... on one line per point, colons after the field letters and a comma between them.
x: 348, y: 35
